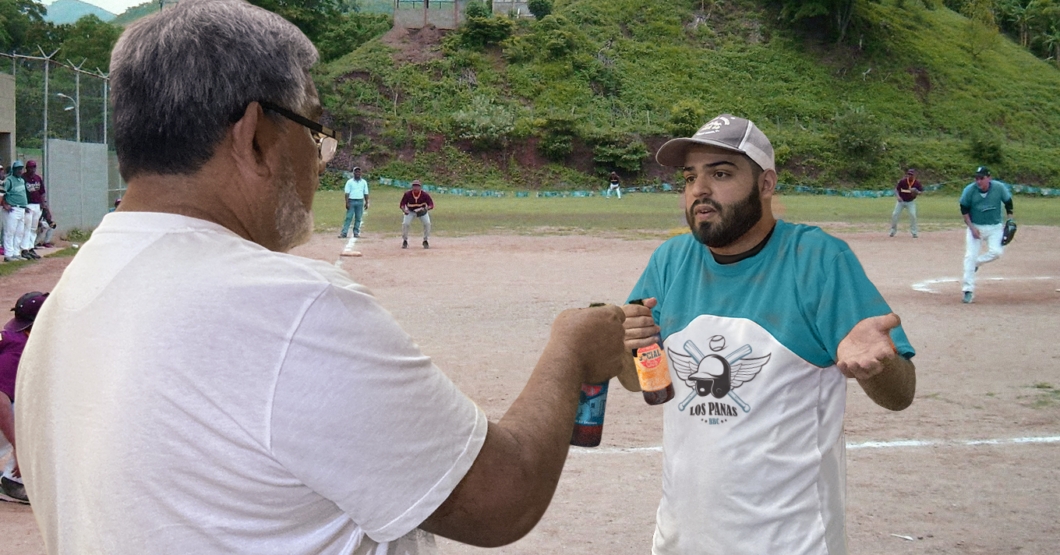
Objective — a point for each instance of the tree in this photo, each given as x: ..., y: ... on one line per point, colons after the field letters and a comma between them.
x: 89, y: 40
x: 1021, y: 13
x: 1051, y: 41
x: 16, y: 18
x: 838, y: 13
x: 539, y: 8
x: 313, y: 17
x: 981, y: 29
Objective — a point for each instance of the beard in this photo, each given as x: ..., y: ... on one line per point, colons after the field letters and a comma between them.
x: 294, y: 220
x: 736, y: 219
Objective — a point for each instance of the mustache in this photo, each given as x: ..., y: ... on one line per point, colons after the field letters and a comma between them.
x: 710, y: 202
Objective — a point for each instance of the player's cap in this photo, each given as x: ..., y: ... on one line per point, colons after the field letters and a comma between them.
x: 26, y: 309
x: 17, y: 164
x: 982, y: 171
x: 416, y: 182
x: 356, y: 168
x: 910, y: 171
x: 725, y: 131
x: 31, y: 164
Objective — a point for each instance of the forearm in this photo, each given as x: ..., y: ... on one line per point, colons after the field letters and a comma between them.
x: 7, y: 419
x: 513, y: 479
x: 894, y: 386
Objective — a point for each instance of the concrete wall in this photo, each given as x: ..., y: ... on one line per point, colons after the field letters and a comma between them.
x: 78, y: 183
x: 7, y: 119
x: 505, y: 7
x: 417, y: 14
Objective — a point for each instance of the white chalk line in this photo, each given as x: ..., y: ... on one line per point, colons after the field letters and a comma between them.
x: 926, y: 285
x: 897, y: 444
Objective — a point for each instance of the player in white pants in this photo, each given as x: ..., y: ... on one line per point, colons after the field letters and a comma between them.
x: 981, y: 204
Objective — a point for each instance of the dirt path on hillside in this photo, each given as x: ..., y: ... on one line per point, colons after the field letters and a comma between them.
x: 968, y: 478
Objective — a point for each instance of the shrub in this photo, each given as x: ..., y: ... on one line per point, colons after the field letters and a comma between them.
x: 540, y: 8
x: 485, y: 123
x: 859, y: 137
x: 477, y: 8
x: 985, y: 148
x: 625, y: 152
x: 686, y: 117
x: 480, y: 32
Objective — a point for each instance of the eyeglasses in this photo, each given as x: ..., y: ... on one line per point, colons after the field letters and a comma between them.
x: 325, y: 137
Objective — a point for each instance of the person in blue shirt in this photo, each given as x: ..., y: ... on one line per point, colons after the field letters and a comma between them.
x: 356, y: 193
x: 981, y: 204
x: 763, y: 322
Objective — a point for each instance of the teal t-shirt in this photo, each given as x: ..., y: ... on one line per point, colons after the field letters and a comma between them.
x: 753, y: 439
x: 806, y: 288
x: 985, y: 208
x: 15, y: 191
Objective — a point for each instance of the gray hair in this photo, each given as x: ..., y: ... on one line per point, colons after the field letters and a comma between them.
x: 182, y: 77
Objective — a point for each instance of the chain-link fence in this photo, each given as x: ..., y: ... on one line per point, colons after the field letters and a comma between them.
x: 59, y: 100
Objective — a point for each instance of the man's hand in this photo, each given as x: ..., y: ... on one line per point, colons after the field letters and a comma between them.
x: 7, y: 207
x: 594, y: 337
x: 862, y: 352
x: 640, y: 327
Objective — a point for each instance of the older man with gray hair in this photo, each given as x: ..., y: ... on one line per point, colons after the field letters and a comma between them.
x: 192, y: 388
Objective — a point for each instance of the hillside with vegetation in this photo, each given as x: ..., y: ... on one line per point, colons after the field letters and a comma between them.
x: 849, y: 97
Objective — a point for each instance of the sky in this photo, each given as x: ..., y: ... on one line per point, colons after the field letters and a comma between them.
x: 115, y: 7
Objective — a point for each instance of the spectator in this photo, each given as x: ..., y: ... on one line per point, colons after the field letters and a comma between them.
x: 191, y: 387
x: 14, y: 205
x: 37, y: 202
x: 12, y: 342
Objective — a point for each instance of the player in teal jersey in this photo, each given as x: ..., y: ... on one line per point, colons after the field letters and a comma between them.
x: 763, y: 322
x: 981, y: 207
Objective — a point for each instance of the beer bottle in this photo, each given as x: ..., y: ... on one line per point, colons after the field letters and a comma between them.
x: 653, y: 372
x: 589, y: 420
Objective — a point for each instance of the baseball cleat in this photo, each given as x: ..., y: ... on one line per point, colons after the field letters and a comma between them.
x: 968, y: 296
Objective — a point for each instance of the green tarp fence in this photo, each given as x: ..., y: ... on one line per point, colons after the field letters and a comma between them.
x: 667, y: 188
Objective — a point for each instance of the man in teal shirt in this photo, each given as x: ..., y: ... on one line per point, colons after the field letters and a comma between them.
x: 14, y: 204
x: 981, y: 206
x: 356, y: 203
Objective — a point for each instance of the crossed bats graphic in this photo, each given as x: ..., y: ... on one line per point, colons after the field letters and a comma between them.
x: 734, y: 372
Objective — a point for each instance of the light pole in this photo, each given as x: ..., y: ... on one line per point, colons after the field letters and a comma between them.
x: 77, y: 112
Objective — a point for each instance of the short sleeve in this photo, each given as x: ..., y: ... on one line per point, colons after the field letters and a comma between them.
x: 366, y: 420
x: 848, y: 297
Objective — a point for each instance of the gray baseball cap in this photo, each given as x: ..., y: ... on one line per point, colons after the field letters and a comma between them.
x: 725, y: 131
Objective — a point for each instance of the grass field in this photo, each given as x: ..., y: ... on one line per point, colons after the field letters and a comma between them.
x: 645, y: 214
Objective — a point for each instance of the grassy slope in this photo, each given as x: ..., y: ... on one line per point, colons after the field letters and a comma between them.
x: 734, y: 62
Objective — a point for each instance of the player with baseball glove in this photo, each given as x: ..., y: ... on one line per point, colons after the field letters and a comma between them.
x: 981, y: 204
x: 415, y: 203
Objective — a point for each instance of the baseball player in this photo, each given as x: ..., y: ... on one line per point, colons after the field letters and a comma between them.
x: 614, y: 184
x: 906, y: 191
x: 416, y: 203
x: 763, y: 322
x: 981, y: 204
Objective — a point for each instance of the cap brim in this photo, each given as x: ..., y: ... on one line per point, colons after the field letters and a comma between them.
x: 16, y: 324
x: 672, y: 153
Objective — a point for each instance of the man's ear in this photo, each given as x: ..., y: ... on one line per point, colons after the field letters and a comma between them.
x: 252, y: 138
x: 767, y: 183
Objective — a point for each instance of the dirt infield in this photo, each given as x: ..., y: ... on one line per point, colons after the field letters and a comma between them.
x: 970, y: 468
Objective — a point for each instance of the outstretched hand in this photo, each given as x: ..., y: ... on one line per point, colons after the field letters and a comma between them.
x: 864, y: 350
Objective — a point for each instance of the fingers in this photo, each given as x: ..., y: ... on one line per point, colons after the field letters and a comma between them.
x: 640, y: 327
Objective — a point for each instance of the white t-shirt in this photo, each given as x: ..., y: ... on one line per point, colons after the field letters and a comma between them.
x: 188, y: 391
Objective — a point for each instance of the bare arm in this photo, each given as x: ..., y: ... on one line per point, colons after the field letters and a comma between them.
x: 512, y: 481
x: 868, y: 355
x: 7, y: 420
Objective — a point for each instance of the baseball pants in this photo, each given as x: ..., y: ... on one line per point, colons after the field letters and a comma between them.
x: 32, y: 218
x: 407, y: 220
x: 898, y: 207
x: 14, y: 231
x: 991, y: 236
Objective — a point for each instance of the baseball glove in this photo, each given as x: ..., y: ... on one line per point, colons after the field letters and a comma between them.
x: 1009, y: 233
x: 421, y: 212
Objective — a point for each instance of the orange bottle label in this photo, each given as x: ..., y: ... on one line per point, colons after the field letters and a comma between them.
x: 652, y: 370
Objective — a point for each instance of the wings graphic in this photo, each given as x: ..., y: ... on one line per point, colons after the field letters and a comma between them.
x: 685, y: 365
x: 746, y: 369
